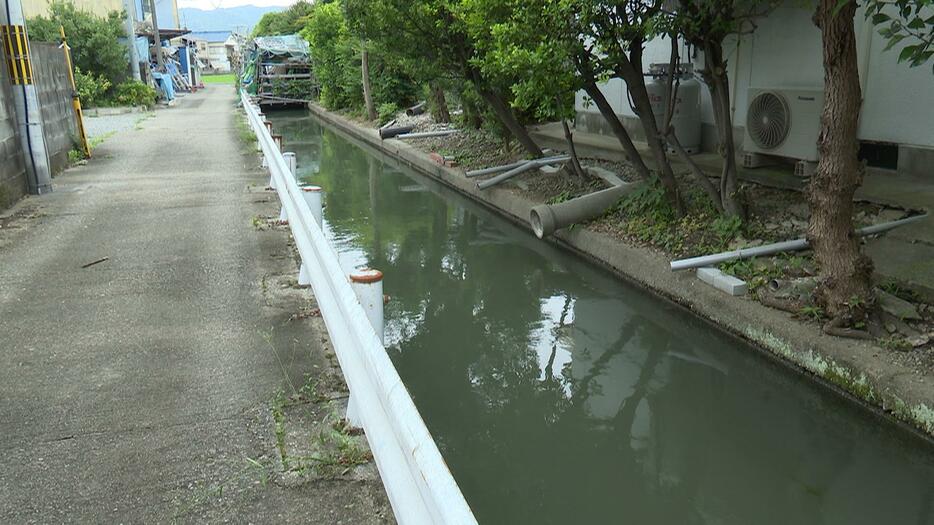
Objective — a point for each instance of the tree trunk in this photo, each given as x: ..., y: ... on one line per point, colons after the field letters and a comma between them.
x: 719, y: 83
x: 569, y: 137
x: 846, y: 290
x: 441, y: 112
x: 631, y: 72
x: 367, y: 92
x: 508, y: 119
x: 632, y: 154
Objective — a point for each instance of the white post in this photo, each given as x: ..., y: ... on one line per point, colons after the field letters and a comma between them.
x: 292, y: 162
x: 367, y: 284
x: 313, y: 197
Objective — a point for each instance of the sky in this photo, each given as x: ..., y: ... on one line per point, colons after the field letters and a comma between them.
x: 213, y: 4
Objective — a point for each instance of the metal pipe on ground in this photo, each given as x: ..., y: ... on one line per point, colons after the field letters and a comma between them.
x: 504, y: 167
x: 546, y: 219
x: 528, y: 165
x: 417, y: 109
x: 388, y: 133
x: 779, y: 247
x: 427, y: 134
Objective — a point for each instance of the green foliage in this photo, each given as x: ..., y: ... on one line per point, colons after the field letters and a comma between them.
x: 95, y: 48
x: 531, y: 49
x: 75, y: 155
x: 133, y: 93
x: 727, y: 227
x: 386, y: 111
x: 228, y: 78
x: 648, y: 217
x: 649, y: 201
x: 337, y: 66
x: 295, y: 88
x: 435, y: 41
x: 288, y: 22
x: 561, y: 197
x: 91, y: 88
x: 812, y: 312
x: 908, y: 21
x: 895, y: 343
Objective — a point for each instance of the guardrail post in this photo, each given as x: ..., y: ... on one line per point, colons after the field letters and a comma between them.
x: 292, y: 162
x: 313, y: 197
x: 367, y: 284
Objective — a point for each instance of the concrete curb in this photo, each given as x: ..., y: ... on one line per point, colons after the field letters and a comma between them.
x: 850, y: 367
x: 109, y: 112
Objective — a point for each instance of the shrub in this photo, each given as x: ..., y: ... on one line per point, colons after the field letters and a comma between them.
x: 91, y: 88
x: 337, y: 67
x: 387, y: 110
x: 95, y: 47
x: 133, y: 93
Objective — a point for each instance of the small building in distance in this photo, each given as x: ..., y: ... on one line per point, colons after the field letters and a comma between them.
x: 212, y: 50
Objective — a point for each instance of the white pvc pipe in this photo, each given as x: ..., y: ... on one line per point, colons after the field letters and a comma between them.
x: 519, y: 170
x: 505, y: 167
x: 779, y: 247
x: 427, y: 134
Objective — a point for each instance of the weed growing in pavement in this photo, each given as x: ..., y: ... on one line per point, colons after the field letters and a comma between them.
x: 812, y: 312
x: 278, y: 415
x: 254, y: 469
x: 244, y: 132
x: 564, y: 196
x: 895, y: 342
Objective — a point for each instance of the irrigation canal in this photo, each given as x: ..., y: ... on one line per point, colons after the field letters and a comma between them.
x: 559, y: 394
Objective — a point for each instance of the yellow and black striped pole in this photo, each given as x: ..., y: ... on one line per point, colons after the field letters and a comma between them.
x: 15, y: 36
x: 16, y: 46
x: 75, y: 98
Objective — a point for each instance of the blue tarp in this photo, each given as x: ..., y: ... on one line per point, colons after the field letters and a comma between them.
x: 165, y: 82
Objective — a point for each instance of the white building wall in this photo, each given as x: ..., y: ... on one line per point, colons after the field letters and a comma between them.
x: 785, y: 52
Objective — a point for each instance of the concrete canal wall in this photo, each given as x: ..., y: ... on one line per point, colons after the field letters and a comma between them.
x: 853, y: 368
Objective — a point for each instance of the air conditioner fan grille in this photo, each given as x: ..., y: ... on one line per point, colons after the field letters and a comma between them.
x: 768, y: 120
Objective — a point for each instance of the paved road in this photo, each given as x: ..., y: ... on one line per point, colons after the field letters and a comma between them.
x: 131, y: 390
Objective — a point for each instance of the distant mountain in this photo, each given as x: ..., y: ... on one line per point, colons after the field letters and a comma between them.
x: 240, y: 19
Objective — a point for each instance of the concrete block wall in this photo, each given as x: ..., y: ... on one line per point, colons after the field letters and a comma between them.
x: 55, y: 96
x: 12, y: 164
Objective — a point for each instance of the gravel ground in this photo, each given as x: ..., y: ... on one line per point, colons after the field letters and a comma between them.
x: 103, y: 126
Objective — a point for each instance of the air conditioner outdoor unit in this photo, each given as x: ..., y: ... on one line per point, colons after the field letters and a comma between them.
x: 783, y: 123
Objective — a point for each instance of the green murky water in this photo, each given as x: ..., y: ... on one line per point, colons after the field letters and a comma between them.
x: 558, y: 394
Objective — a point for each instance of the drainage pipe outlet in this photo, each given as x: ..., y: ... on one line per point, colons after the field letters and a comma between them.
x: 546, y: 219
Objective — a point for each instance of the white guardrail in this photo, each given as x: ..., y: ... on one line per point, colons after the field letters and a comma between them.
x: 419, y: 484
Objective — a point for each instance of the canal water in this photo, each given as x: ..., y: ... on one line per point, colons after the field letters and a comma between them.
x: 559, y: 394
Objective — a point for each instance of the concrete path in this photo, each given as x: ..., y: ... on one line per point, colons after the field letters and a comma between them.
x: 138, y: 389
